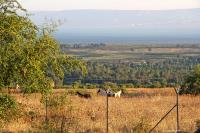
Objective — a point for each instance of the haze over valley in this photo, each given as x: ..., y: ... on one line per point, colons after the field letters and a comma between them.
x: 124, y: 26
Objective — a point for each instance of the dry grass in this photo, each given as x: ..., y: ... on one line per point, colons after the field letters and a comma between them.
x: 139, y: 111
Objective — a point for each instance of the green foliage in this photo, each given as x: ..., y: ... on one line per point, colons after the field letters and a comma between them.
x: 110, y: 85
x: 57, y: 102
x: 90, y: 86
x: 76, y: 85
x: 191, y: 84
x: 156, y: 84
x: 129, y: 85
x: 123, y: 88
x: 7, y: 107
x: 114, y: 87
x: 166, y: 71
x: 30, y: 56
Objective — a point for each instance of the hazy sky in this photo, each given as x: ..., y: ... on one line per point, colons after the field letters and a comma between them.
x: 109, y: 4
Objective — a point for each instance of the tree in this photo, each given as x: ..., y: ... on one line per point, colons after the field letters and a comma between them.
x: 28, y: 55
x: 191, y: 84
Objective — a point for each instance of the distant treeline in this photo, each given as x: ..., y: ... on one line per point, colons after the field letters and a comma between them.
x: 158, y: 74
x: 98, y: 45
x: 80, y: 45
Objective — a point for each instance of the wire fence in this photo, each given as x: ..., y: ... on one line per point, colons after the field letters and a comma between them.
x: 176, y: 106
x: 177, y: 113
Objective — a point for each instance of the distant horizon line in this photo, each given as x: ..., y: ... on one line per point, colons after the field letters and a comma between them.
x: 112, y: 10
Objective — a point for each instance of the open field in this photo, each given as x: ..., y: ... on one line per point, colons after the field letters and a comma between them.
x: 136, y: 113
x: 132, y: 53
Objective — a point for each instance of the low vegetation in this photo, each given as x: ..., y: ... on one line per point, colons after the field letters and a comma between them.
x: 130, y: 113
x: 8, y: 106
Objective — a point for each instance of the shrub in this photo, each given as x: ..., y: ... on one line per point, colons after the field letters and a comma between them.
x: 90, y: 86
x: 129, y: 85
x: 56, y: 101
x: 59, y: 113
x: 138, y: 84
x: 76, y: 85
x: 156, y: 84
x: 7, y: 107
x: 112, y: 86
x: 123, y: 88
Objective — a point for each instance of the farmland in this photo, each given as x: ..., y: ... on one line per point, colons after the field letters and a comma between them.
x: 150, y: 65
x: 136, y: 113
x: 132, y: 53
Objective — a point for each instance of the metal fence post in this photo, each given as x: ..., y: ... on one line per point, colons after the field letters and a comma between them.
x: 46, y: 109
x: 177, y: 110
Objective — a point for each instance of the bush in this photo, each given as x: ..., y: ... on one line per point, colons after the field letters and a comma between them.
x: 138, y: 84
x: 76, y: 85
x: 59, y: 114
x: 129, y: 85
x: 156, y: 84
x: 56, y: 101
x: 123, y: 88
x: 109, y: 85
x: 7, y: 107
x: 90, y: 86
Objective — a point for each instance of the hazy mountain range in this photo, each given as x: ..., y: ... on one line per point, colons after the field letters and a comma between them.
x: 125, y: 26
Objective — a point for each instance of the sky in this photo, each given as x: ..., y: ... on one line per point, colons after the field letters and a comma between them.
x: 57, y: 5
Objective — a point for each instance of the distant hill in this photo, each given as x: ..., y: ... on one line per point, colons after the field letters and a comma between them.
x: 125, y: 26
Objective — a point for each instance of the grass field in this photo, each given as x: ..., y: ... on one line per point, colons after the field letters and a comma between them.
x: 133, y: 53
x: 137, y: 112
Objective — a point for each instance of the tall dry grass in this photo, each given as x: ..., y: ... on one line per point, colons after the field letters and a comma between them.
x: 136, y: 112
